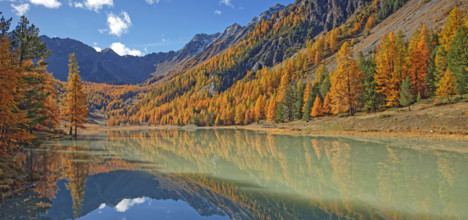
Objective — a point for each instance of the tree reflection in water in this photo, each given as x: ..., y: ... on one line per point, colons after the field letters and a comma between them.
x: 265, y: 176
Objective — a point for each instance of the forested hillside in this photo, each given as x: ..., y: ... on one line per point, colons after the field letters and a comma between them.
x: 107, y: 66
x: 279, y: 71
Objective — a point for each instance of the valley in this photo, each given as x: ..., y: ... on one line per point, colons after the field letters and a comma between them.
x: 337, y: 109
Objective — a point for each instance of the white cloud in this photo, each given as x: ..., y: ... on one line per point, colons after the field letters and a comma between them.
x: 20, y: 9
x: 218, y: 12
x: 122, y: 50
x: 47, y: 3
x: 95, y: 46
x: 79, y: 5
x: 95, y: 5
x: 152, y: 1
x: 227, y: 3
x: 118, y: 25
x: 126, y: 204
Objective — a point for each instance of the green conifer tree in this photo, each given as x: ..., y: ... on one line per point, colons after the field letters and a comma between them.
x: 406, y: 95
x: 457, y: 59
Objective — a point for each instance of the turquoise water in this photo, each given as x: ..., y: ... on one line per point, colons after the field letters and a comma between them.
x: 238, y: 174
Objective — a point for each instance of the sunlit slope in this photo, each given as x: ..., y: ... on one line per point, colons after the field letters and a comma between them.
x: 243, y: 84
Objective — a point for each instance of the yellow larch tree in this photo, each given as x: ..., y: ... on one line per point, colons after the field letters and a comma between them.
x: 271, y: 110
x: 76, y: 105
x: 307, y: 90
x: 317, y: 109
x: 12, y: 120
x: 446, y: 35
x: 326, y: 105
x: 390, y: 68
x: 419, y: 62
x: 240, y: 115
x: 260, y: 108
x: 345, y: 82
x: 446, y: 86
x: 370, y: 23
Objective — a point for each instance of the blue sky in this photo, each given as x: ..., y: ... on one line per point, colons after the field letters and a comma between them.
x: 135, y: 27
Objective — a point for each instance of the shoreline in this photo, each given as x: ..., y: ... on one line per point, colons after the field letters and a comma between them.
x: 275, y: 128
x: 279, y: 130
x: 425, y: 120
x: 357, y: 135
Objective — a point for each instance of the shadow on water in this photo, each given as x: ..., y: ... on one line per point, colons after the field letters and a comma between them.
x: 241, y: 174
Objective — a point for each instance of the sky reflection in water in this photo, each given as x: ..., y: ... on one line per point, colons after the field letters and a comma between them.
x: 220, y: 174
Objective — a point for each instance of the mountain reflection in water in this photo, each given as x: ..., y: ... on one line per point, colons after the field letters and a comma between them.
x: 238, y: 174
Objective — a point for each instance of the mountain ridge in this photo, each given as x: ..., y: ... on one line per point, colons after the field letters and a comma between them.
x: 107, y: 66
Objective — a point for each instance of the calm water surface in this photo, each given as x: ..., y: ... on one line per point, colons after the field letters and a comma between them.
x: 237, y: 174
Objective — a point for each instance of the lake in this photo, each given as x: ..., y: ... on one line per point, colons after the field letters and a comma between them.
x: 240, y: 174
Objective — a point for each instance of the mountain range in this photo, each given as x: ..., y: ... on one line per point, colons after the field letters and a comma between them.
x: 107, y: 66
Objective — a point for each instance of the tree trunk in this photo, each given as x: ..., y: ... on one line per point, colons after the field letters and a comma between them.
x: 76, y: 134
x: 71, y: 130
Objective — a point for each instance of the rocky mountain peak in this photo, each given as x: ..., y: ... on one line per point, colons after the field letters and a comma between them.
x: 230, y: 31
x: 268, y: 13
x: 198, y: 43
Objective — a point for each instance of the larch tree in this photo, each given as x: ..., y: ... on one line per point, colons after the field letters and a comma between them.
x: 12, y: 119
x: 446, y: 86
x: 345, y: 82
x: 260, y: 108
x: 326, y: 105
x: 418, y: 63
x: 454, y: 21
x: 271, y: 110
x: 28, y: 45
x: 390, y: 68
x: 239, y: 115
x: 76, y: 106
x: 370, y: 23
x: 446, y: 35
x: 307, y: 90
x: 317, y: 109
x: 319, y: 75
x: 284, y: 83
x: 333, y: 40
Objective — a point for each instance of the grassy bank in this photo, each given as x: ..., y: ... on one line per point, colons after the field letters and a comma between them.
x: 423, y: 120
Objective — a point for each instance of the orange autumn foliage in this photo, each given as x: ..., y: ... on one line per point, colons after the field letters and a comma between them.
x: 306, y: 95
x: 12, y: 120
x: 419, y: 62
x: 326, y: 105
x: 345, y: 82
x: 447, y: 85
x: 391, y: 68
x: 317, y: 109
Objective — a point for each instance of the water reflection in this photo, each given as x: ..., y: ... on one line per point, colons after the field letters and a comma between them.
x: 243, y: 175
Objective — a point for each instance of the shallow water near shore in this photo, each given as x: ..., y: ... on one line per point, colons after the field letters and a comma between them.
x: 241, y: 174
